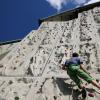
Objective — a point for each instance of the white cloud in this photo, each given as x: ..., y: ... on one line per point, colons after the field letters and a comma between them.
x: 57, y: 4
x: 79, y: 1
x: 91, y: 1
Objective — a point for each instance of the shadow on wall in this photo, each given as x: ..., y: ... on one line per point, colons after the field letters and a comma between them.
x: 67, y: 88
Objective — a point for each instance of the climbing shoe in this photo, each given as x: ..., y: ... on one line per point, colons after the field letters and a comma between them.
x: 84, y: 93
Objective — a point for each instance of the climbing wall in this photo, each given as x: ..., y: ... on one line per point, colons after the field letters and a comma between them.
x: 31, y: 70
x: 5, y: 49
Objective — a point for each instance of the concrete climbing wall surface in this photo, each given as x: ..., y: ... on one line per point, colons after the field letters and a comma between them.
x: 20, y: 52
x: 13, y: 88
x: 5, y: 49
x: 19, y: 57
x: 33, y: 65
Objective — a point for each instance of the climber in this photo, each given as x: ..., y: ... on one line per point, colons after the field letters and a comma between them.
x: 76, y: 70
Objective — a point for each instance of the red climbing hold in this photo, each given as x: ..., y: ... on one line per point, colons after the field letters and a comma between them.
x: 91, y: 94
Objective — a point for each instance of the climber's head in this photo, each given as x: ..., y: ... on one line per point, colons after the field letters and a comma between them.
x: 75, y: 54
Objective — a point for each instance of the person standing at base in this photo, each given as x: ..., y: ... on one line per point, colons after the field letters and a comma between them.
x: 76, y: 70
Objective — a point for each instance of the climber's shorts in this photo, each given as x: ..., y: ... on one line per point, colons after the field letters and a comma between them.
x: 76, y: 74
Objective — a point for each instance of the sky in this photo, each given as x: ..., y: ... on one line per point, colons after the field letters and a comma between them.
x: 19, y: 17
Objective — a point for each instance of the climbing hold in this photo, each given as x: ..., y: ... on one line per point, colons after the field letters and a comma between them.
x: 91, y: 94
x: 55, y: 98
x: 16, y: 98
x: 16, y: 61
x: 23, y: 47
x: 97, y: 80
x: 1, y: 65
x: 86, y: 84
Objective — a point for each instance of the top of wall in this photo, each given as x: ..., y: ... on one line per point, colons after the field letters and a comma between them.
x: 69, y: 14
x: 9, y: 42
x: 63, y: 16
